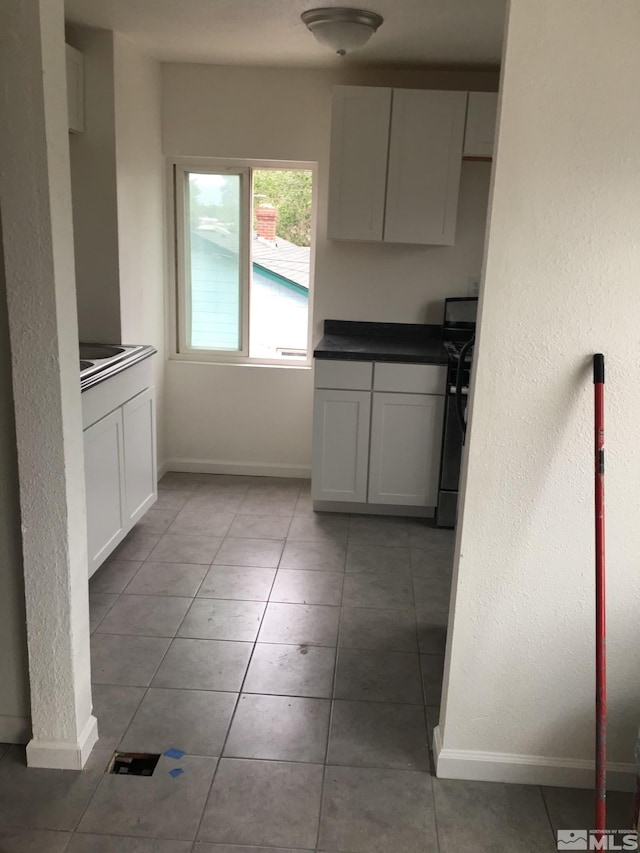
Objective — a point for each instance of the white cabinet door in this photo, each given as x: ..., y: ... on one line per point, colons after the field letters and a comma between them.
x: 358, y: 168
x: 481, y: 124
x: 340, y: 445
x: 75, y: 89
x: 140, y: 479
x: 425, y: 154
x: 104, y: 471
x: 406, y: 435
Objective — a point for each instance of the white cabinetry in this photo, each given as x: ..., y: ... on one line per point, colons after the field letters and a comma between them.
x: 406, y: 434
x: 119, y: 457
x: 481, y: 124
x: 377, y: 444
x: 75, y: 89
x: 395, y: 164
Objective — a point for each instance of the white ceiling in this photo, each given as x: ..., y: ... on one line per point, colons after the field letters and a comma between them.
x: 270, y: 32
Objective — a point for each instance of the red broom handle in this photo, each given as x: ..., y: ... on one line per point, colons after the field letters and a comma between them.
x: 601, y: 651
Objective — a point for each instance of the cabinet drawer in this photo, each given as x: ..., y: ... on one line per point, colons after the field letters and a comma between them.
x: 350, y: 375
x: 410, y: 378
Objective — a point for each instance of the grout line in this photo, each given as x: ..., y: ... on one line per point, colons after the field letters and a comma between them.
x: 231, y: 719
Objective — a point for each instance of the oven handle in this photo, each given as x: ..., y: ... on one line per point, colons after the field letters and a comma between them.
x: 459, y: 386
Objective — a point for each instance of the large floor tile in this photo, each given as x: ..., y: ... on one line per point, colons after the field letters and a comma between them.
x: 265, y: 504
x: 167, y: 579
x: 260, y: 527
x: 32, y: 841
x: 431, y: 562
x: 423, y: 533
x: 204, y: 665
x: 46, y: 799
x: 180, y: 480
x: 116, y: 659
x: 276, y: 486
x: 491, y: 817
x: 114, y: 707
x: 572, y: 808
x: 282, y: 728
x: 245, y: 583
x: 204, y: 522
x: 319, y: 528
x: 291, y: 670
x: 263, y: 553
x: 225, y: 502
x: 136, y: 546
x: 145, y: 615
x: 99, y: 605
x: 194, y: 721
x: 432, y: 632
x: 377, y: 559
x: 222, y: 619
x: 374, y: 734
x: 378, y: 530
x: 378, y: 676
x: 155, y: 520
x: 233, y: 848
x: 293, y: 586
x: 377, y: 811
x: 269, y: 803
x: 89, y: 843
x: 113, y: 576
x: 4, y: 748
x: 383, y: 591
x: 432, y: 597
x: 174, y: 499
x: 186, y: 548
x: 300, y: 624
x: 314, y: 556
x: 159, y: 806
x: 432, y: 673
x: 365, y: 628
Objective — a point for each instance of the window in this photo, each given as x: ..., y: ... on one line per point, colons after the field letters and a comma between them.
x: 244, y: 249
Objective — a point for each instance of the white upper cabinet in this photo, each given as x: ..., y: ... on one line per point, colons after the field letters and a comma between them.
x: 481, y: 124
x: 425, y: 158
x: 75, y: 89
x: 358, y: 174
x: 395, y: 164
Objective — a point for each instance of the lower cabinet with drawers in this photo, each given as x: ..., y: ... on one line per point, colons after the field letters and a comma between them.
x: 377, y: 435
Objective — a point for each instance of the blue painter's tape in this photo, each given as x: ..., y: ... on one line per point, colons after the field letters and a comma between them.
x: 174, y: 753
x: 176, y: 772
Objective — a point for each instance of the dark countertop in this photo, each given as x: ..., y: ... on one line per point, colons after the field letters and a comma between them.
x: 415, y: 343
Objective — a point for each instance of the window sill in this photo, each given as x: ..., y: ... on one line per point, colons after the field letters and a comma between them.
x: 248, y: 362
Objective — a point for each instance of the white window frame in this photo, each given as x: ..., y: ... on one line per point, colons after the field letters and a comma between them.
x: 179, y: 279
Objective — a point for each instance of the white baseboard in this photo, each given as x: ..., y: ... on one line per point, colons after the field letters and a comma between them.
x: 64, y: 756
x: 162, y: 470
x: 15, y: 729
x: 526, y: 769
x: 251, y: 469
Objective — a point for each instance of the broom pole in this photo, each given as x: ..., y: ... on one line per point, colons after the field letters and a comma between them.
x: 601, y: 652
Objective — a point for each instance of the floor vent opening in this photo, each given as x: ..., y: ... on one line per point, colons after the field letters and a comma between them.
x: 134, y: 763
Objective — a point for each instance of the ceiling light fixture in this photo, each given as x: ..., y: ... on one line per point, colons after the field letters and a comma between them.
x: 341, y: 29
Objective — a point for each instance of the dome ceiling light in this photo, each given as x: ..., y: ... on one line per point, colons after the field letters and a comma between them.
x: 341, y: 29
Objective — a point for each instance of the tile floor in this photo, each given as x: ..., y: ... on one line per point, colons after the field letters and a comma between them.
x: 297, y: 660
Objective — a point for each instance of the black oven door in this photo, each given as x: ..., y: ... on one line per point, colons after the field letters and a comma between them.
x: 450, y: 465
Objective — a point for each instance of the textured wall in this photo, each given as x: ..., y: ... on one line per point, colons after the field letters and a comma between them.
x: 141, y: 203
x: 276, y: 114
x: 561, y: 282
x: 14, y: 671
x: 93, y: 180
x: 38, y: 257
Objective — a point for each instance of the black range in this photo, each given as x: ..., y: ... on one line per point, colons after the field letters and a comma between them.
x: 349, y: 340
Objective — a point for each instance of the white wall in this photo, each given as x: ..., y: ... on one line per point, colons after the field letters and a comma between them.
x: 15, y: 710
x: 140, y: 200
x: 285, y: 115
x: 561, y: 282
x: 93, y: 182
